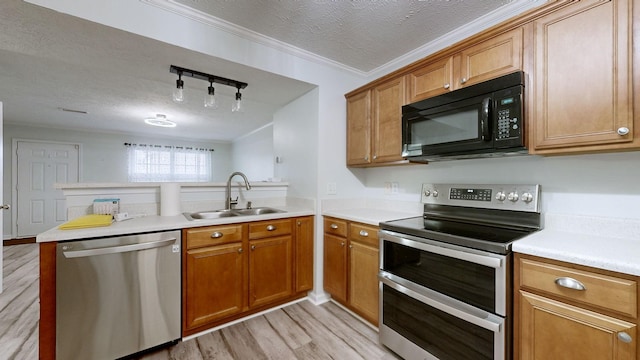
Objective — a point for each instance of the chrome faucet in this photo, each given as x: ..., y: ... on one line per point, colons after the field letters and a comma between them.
x: 229, y: 204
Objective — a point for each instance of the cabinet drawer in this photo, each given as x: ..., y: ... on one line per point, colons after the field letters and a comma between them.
x: 364, y: 234
x: 214, y: 235
x: 263, y: 229
x: 603, y: 291
x: 335, y: 227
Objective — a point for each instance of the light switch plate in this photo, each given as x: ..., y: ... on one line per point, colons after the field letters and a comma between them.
x: 332, y: 188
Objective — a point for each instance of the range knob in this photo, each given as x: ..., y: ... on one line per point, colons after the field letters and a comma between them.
x: 427, y: 193
x: 500, y: 196
x: 527, y: 197
x: 435, y: 193
x: 513, y: 196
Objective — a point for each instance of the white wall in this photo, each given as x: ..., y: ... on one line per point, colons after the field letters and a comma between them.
x: 295, y: 135
x: 595, y: 185
x: 253, y: 154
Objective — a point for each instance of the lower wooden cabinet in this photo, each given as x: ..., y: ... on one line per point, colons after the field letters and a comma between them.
x: 351, y: 258
x: 566, y: 311
x: 230, y: 271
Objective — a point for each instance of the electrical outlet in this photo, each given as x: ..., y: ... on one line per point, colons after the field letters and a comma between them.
x: 394, y: 188
x: 332, y: 188
x: 387, y: 188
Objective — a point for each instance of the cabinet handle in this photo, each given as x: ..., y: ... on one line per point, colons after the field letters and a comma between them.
x: 624, y: 337
x: 350, y: 246
x: 366, y: 158
x: 375, y: 157
x: 463, y: 81
x: 342, y: 243
x: 363, y: 233
x: 333, y: 226
x: 253, y: 247
x: 217, y: 235
x: 570, y: 283
x: 240, y: 251
x: 446, y: 86
x: 299, y: 223
x: 271, y: 227
x: 623, y: 131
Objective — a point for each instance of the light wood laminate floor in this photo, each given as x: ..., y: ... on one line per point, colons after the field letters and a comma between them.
x: 298, y: 331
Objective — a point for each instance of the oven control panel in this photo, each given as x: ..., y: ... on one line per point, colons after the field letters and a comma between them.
x: 489, y: 196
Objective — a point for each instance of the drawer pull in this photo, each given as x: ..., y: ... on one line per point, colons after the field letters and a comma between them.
x: 217, y: 235
x: 624, y: 337
x: 570, y: 283
x: 239, y: 250
x: 271, y: 227
x: 363, y: 233
x: 333, y: 226
x: 253, y: 247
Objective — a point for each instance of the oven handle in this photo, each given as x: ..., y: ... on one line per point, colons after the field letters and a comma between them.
x: 477, y: 317
x: 493, y: 262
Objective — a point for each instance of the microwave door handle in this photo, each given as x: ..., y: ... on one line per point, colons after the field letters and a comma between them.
x: 484, y: 119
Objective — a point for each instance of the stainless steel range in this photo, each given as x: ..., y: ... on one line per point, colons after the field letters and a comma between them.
x: 445, y: 277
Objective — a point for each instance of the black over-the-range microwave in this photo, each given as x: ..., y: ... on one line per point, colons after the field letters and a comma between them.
x: 481, y: 120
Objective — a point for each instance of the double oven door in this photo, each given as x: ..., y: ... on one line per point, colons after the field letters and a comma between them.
x: 442, y: 301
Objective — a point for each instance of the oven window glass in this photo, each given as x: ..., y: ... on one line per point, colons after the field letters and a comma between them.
x: 446, y: 127
x: 442, y: 335
x: 466, y: 281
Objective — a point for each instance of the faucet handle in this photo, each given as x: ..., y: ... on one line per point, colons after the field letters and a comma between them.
x: 248, y: 204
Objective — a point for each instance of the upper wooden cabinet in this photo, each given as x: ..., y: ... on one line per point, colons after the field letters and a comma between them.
x: 581, y: 98
x: 479, y: 62
x: 374, y: 124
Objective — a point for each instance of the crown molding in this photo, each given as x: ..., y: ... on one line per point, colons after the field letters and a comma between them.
x: 504, y: 12
x: 226, y: 26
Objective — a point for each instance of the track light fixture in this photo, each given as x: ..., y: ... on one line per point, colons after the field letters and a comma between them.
x: 237, y: 105
x: 210, y: 100
x: 178, y: 92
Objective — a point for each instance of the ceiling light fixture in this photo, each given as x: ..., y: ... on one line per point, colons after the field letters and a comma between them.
x: 160, y: 120
x: 178, y: 92
x: 210, y: 100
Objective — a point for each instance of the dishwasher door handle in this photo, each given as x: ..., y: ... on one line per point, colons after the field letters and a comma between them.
x: 118, y: 249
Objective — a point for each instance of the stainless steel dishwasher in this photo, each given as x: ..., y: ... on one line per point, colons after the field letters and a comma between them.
x: 117, y: 296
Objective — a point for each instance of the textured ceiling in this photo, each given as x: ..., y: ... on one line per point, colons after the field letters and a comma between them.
x: 362, y: 34
x: 49, y: 61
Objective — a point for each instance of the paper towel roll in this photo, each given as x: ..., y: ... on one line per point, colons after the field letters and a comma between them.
x: 169, y: 199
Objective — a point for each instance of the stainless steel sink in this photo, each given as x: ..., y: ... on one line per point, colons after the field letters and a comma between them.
x: 216, y: 214
x: 257, y: 211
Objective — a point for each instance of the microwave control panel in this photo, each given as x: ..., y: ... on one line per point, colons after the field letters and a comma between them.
x: 508, y: 114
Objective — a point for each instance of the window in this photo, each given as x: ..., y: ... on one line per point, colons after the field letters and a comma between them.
x: 156, y: 163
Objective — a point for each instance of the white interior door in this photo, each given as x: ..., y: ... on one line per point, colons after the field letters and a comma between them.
x: 40, y: 207
x: 1, y: 187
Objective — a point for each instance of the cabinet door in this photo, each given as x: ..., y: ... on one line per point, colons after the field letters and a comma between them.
x: 388, y: 99
x: 433, y: 79
x: 553, y: 330
x: 582, y: 94
x: 359, y: 129
x: 335, y: 267
x: 489, y: 59
x: 304, y: 254
x: 270, y: 270
x: 363, y: 280
x: 213, y: 284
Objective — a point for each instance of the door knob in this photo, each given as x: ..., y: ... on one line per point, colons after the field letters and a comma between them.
x: 5, y: 207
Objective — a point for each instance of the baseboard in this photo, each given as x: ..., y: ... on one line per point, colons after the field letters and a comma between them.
x: 9, y: 242
x: 318, y: 298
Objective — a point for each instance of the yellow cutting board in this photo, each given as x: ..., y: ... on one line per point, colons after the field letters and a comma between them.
x: 87, y: 221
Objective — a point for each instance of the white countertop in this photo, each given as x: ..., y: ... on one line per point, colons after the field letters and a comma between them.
x: 604, y: 243
x: 161, y: 223
x: 368, y: 216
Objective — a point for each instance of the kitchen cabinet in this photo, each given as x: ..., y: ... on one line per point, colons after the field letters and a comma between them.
x: 213, y: 274
x: 491, y: 58
x: 351, y: 266
x: 304, y: 254
x: 573, y: 312
x: 231, y: 271
x: 270, y: 261
x: 374, y: 124
x: 581, y: 98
